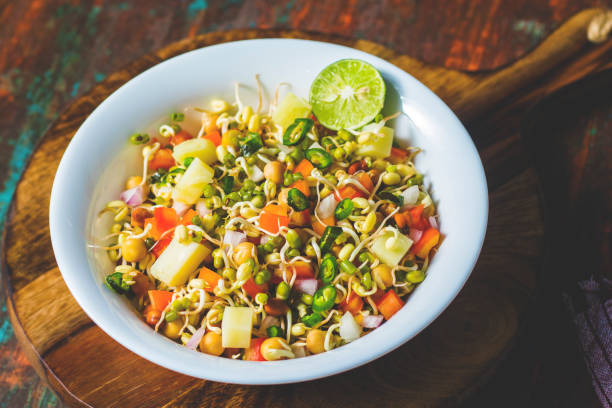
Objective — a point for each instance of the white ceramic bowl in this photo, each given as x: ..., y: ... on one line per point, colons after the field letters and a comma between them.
x: 98, y: 160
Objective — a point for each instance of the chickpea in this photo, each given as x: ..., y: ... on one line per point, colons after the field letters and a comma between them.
x: 382, y: 276
x: 275, y: 348
x: 132, y: 182
x: 172, y: 329
x: 315, y: 341
x: 391, y: 178
x: 211, y: 344
x: 243, y: 252
x: 133, y: 249
x: 274, y: 171
x: 151, y: 315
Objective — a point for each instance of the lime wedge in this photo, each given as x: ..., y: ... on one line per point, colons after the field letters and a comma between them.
x: 347, y: 94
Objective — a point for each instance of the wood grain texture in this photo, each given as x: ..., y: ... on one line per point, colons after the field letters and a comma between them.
x: 434, y: 369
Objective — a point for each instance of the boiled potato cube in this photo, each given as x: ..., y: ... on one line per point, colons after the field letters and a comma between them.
x: 380, y: 144
x: 236, y: 327
x: 289, y: 109
x: 202, y: 149
x: 189, y: 188
x: 391, y: 248
x: 178, y: 261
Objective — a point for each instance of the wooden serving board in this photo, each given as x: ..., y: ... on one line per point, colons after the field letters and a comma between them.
x: 452, y: 357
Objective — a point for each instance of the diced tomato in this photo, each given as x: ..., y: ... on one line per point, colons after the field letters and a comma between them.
x: 180, y: 137
x: 214, y: 137
x: 210, y: 278
x: 161, y: 245
x: 252, y: 289
x: 277, y: 209
x: 188, y: 217
x: 415, y: 219
x: 378, y: 295
x: 253, y: 353
x: 159, y: 299
x: 398, y: 154
x: 305, y: 167
x: 320, y: 228
x: 162, y: 159
x: 166, y: 218
x: 389, y: 304
x: 348, y: 191
x: 301, y: 185
x: 272, y: 222
x: 302, y: 269
x: 366, y: 181
x: 353, y: 303
x: 428, y: 240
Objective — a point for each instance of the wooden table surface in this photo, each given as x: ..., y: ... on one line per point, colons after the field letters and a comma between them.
x: 53, y: 51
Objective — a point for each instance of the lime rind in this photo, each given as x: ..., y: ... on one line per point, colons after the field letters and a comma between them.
x: 347, y: 94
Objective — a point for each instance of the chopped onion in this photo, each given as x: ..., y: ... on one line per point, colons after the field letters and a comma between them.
x: 316, y: 145
x: 195, y: 339
x: 327, y: 206
x: 433, y: 222
x: 298, y: 351
x: 202, y: 209
x: 411, y: 195
x: 234, y: 238
x: 268, y: 321
x: 180, y: 208
x: 134, y: 196
x: 372, y: 322
x: 349, y: 329
x: 256, y: 174
x: 415, y: 234
x: 308, y: 286
x: 192, y: 122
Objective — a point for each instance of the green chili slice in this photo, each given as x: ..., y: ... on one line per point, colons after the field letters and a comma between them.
x: 250, y: 144
x: 296, y: 132
x: 329, y: 236
x: 297, y: 200
x: 227, y: 184
x: 324, y: 299
x: 312, y: 319
x: 139, y: 138
x: 274, y: 331
x: 328, y: 269
x: 177, y: 117
x: 115, y: 282
x: 319, y: 158
x: 395, y: 199
x: 344, y: 209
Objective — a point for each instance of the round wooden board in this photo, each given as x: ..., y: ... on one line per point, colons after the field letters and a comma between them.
x: 439, y: 367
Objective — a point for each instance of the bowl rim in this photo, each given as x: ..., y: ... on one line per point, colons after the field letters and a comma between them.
x: 232, y: 371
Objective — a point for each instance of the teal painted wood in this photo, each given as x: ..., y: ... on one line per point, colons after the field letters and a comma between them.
x: 52, y: 51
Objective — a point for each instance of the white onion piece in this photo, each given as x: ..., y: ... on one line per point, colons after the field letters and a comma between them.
x: 411, y: 195
x: 192, y: 122
x: 180, y: 208
x: 316, y: 145
x: 234, y: 238
x: 349, y: 329
x: 415, y: 234
x: 327, y: 206
x: 195, y: 339
x: 269, y: 321
x: 372, y: 322
x: 308, y: 286
x: 298, y: 351
x: 133, y: 196
x: 433, y: 222
x: 256, y: 174
x: 202, y: 209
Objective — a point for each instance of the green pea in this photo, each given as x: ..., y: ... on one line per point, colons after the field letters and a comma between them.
x: 293, y: 239
x: 306, y: 299
x: 249, y: 184
x: 365, y: 257
x: 177, y: 305
x: 258, y: 201
x: 261, y: 298
x: 208, y: 191
x: 416, y: 180
x: 262, y: 276
x: 282, y: 291
x: 246, y: 195
x: 268, y: 247
x: 185, y: 302
x: 139, y: 138
x: 293, y: 252
x: 415, y: 276
x: 171, y: 316
x: 287, y: 179
x: 229, y: 273
x: 338, y: 153
x: 366, y: 280
x: 232, y: 198
x: 348, y: 267
x: 274, y: 331
x: 277, y: 241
